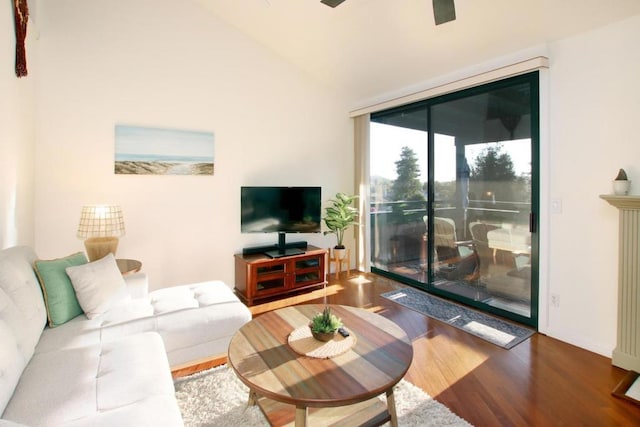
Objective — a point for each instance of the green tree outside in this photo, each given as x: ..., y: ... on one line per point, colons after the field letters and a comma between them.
x: 493, y: 165
x: 407, y: 185
x: 493, y: 177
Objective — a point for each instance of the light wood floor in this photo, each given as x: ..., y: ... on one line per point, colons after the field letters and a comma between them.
x: 540, y: 382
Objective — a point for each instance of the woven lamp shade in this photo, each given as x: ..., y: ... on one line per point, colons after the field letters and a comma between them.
x: 101, y: 225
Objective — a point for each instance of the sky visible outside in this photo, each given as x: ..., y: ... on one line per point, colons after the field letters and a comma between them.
x: 387, y: 142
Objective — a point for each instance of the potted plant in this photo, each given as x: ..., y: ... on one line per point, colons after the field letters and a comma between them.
x: 339, y: 216
x: 324, y: 325
x: 621, y: 184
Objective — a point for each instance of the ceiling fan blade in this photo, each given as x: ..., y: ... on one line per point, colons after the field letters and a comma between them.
x: 444, y: 11
x: 332, y: 3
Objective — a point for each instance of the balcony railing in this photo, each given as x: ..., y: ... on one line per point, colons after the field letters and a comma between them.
x: 398, y: 229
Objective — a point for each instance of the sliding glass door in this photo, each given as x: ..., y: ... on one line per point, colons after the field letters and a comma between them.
x: 454, y: 196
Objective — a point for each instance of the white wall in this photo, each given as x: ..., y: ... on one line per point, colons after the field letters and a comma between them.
x: 594, y: 108
x: 170, y: 63
x: 16, y: 136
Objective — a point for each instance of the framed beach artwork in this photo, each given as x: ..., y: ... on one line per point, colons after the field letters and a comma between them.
x: 156, y: 151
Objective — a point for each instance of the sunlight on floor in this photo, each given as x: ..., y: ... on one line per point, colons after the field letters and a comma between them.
x: 361, y: 279
x: 397, y: 296
x: 483, y: 330
x: 296, y: 299
x: 438, y: 368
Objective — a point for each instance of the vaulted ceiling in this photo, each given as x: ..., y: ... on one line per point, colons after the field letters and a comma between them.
x: 371, y: 47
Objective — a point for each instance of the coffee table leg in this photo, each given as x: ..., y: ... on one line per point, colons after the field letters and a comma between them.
x: 391, y: 407
x: 253, y: 398
x: 301, y: 416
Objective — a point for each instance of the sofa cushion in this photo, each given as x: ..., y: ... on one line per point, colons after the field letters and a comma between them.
x: 22, y: 316
x: 123, y: 382
x: 12, y: 362
x: 59, y: 295
x: 99, y: 285
x: 195, y: 321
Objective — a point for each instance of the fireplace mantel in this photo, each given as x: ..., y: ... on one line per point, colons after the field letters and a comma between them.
x: 627, y: 352
x: 622, y: 202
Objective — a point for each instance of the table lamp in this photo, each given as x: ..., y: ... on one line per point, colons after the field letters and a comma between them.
x: 100, y: 225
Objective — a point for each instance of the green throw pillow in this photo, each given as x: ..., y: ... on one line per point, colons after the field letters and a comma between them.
x: 59, y: 295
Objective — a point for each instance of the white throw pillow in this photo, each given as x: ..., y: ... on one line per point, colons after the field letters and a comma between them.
x: 99, y: 285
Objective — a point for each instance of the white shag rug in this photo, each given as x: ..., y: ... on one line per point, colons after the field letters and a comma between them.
x: 217, y: 398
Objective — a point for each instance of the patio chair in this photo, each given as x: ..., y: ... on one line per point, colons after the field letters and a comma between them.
x: 479, y: 232
x: 457, y: 260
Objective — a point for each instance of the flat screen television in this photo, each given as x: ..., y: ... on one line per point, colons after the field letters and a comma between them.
x: 281, y: 210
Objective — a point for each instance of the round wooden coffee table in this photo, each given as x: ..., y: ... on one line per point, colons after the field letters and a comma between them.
x: 311, y: 391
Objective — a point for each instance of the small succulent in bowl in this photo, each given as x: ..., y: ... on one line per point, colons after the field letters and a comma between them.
x: 621, y: 184
x: 324, y: 325
x: 622, y: 175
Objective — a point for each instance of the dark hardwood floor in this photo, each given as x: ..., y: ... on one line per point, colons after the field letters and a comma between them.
x: 540, y: 382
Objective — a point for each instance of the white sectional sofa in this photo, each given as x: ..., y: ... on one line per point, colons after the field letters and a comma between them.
x: 112, y: 369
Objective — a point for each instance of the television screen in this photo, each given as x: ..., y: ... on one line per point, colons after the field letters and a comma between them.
x: 280, y: 209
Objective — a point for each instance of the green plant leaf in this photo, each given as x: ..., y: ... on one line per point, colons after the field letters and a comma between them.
x: 340, y: 215
x: 325, y: 322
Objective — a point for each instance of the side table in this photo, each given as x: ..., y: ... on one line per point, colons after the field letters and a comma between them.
x: 346, y: 259
x: 128, y: 266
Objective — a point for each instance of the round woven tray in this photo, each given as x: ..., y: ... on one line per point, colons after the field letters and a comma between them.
x: 302, y: 342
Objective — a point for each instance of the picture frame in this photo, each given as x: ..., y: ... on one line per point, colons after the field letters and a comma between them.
x: 158, y: 151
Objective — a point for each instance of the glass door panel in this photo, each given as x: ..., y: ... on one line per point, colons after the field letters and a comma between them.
x: 482, y: 241
x: 453, y: 196
x: 398, y: 194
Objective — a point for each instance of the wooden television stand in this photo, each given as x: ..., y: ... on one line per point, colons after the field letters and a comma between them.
x: 259, y: 276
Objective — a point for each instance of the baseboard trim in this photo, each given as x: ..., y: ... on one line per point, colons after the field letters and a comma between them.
x: 194, y: 366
